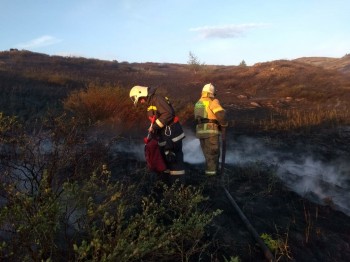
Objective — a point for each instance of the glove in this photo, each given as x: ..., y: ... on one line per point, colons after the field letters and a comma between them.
x: 170, y: 156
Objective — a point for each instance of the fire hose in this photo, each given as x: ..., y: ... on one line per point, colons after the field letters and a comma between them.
x: 267, y: 253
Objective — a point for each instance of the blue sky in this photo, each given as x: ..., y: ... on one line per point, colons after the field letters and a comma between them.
x: 220, y: 32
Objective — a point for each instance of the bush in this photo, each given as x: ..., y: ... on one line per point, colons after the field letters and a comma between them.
x: 30, y: 223
x: 170, y: 229
x: 58, y: 202
x: 104, y: 104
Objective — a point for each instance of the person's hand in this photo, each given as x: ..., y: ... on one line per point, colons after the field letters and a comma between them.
x: 170, y: 156
x: 151, y: 129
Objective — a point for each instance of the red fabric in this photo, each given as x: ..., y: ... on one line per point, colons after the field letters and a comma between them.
x: 152, y: 118
x: 154, y: 159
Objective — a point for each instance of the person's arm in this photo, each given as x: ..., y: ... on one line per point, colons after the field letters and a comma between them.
x: 219, y: 112
x: 220, y: 116
x: 165, y: 113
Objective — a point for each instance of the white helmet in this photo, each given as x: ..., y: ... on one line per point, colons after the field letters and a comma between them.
x: 138, y: 91
x: 209, y: 88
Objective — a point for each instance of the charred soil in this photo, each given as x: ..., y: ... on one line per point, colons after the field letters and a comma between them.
x: 296, y: 227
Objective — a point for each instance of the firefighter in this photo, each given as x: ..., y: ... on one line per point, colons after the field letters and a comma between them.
x: 210, y: 118
x: 166, y: 128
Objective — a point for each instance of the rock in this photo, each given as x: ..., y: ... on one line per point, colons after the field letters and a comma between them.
x: 255, y: 104
x: 242, y: 97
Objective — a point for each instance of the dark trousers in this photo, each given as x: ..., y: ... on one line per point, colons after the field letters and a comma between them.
x: 175, y: 165
x: 211, y: 150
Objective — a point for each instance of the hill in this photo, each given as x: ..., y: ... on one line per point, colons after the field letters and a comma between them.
x: 287, y: 159
x: 269, y: 86
x: 340, y: 64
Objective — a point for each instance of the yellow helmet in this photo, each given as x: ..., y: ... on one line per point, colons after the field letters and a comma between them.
x: 209, y: 88
x: 138, y: 91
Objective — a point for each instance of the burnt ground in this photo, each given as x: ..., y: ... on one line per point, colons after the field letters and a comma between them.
x: 306, y: 226
x: 310, y: 232
x: 309, y: 228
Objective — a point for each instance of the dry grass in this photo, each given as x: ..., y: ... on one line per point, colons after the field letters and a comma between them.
x: 298, y: 119
x: 99, y: 104
x: 320, y: 89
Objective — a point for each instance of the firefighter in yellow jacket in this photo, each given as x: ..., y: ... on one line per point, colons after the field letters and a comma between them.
x: 210, y: 118
x: 166, y: 127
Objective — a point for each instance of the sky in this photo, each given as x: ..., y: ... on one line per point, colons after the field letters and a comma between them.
x: 220, y: 32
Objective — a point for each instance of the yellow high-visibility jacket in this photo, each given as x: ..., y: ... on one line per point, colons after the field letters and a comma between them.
x: 209, y: 115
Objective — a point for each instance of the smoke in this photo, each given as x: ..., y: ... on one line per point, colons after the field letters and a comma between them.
x: 323, y: 183
x: 135, y: 148
x: 192, y: 150
x: 246, y: 150
x: 320, y: 182
x: 130, y: 148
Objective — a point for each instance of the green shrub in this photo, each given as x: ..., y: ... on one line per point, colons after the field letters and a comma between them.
x: 31, y: 222
x: 277, y: 245
x: 8, y: 124
x: 60, y: 203
x: 167, y: 229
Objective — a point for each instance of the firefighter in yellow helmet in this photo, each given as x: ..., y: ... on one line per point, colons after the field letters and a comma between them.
x: 166, y: 128
x: 210, y: 118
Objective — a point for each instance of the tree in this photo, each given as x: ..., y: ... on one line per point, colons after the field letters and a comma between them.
x: 243, y: 63
x: 194, y: 62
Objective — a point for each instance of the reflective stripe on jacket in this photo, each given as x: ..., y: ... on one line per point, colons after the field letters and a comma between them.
x: 204, y: 111
x: 166, y: 124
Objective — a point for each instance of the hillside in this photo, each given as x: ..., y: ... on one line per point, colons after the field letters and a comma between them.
x: 287, y: 142
x: 269, y: 86
x: 340, y: 64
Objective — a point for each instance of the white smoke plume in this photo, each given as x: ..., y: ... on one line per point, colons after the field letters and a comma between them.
x: 192, y: 149
x: 323, y: 183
